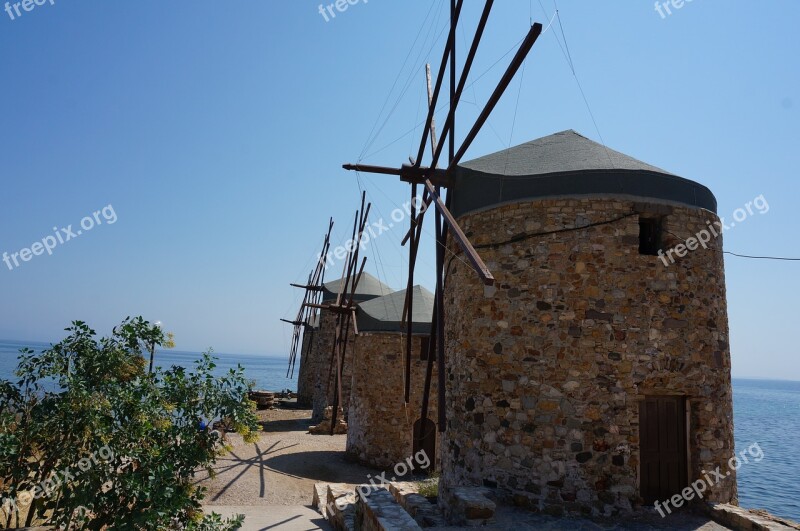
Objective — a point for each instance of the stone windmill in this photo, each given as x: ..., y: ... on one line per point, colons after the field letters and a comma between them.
x: 383, y: 429
x: 593, y: 375
x: 305, y: 322
x: 318, y: 359
x: 343, y: 307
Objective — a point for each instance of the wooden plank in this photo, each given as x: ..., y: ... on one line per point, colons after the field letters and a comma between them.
x: 460, y: 237
x: 426, y: 390
x: 309, y: 287
x: 449, y: 49
x: 449, y: 124
x: 426, y: 200
x: 409, y: 174
x: 516, y: 62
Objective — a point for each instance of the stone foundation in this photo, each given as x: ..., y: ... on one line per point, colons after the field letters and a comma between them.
x: 546, y: 370
x: 380, y: 424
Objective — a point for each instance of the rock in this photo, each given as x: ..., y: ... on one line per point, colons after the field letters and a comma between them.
x: 324, y: 427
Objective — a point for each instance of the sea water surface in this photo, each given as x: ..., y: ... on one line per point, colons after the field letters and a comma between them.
x: 268, y: 372
x: 766, y: 412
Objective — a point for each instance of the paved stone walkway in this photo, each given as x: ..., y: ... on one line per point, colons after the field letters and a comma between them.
x: 274, y: 517
x: 281, y: 467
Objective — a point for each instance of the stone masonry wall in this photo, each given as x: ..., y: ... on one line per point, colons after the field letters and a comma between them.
x: 546, y: 369
x: 305, y: 385
x: 322, y: 351
x: 380, y: 425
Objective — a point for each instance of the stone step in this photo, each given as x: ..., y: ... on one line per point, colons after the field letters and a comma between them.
x: 379, y: 511
x: 336, y: 502
x: 373, y: 509
x: 320, y: 498
x: 471, y: 506
x: 418, y: 506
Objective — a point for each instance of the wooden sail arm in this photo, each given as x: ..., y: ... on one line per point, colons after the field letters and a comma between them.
x: 407, y: 173
x: 461, y: 238
x: 516, y: 62
x: 309, y: 287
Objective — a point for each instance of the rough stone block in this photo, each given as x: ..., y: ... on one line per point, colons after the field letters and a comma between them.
x: 340, y: 507
x: 740, y: 519
x: 378, y: 511
x: 470, y: 506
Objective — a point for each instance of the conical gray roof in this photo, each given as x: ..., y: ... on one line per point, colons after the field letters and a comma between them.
x: 385, y: 314
x: 567, y: 151
x: 368, y: 288
x: 567, y: 164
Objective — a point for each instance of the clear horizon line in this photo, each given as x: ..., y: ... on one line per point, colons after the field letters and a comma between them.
x: 215, y: 351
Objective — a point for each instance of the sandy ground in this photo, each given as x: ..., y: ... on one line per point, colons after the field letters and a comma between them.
x: 271, y: 482
x: 282, y: 467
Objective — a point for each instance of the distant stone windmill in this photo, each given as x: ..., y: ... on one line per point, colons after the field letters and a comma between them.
x: 343, y: 307
x: 305, y: 322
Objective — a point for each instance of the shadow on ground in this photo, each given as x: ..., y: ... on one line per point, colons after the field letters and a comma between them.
x: 280, y: 426
x: 327, y: 466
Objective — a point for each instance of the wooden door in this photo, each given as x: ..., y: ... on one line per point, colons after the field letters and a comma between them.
x: 425, y: 439
x: 662, y: 437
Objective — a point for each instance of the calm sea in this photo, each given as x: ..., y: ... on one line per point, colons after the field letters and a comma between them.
x: 269, y: 372
x: 765, y: 412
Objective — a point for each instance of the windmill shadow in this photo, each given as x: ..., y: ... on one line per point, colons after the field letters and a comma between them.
x: 243, y: 465
x: 322, y: 465
x: 281, y: 426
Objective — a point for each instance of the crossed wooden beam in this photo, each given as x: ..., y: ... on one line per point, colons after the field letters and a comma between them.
x: 433, y: 179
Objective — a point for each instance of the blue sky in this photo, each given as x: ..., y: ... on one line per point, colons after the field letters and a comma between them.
x: 216, y: 131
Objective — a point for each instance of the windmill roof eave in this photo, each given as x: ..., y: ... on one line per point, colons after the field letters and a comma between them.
x: 368, y: 288
x: 567, y: 164
x: 385, y: 314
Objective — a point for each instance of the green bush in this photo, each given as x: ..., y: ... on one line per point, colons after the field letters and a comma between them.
x: 95, y: 441
x: 429, y: 487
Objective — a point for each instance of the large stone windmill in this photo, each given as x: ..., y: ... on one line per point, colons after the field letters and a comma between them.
x: 588, y: 376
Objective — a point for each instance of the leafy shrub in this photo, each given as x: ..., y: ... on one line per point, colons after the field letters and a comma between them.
x: 95, y: 441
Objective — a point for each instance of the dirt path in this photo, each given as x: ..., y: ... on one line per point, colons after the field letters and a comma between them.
x: 282, y: 467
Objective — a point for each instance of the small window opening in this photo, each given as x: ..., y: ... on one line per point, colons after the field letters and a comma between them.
x: 424, y: 344
x: 649, y: 236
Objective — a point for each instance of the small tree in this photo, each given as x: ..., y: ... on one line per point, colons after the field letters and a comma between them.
x: 89, y: 439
